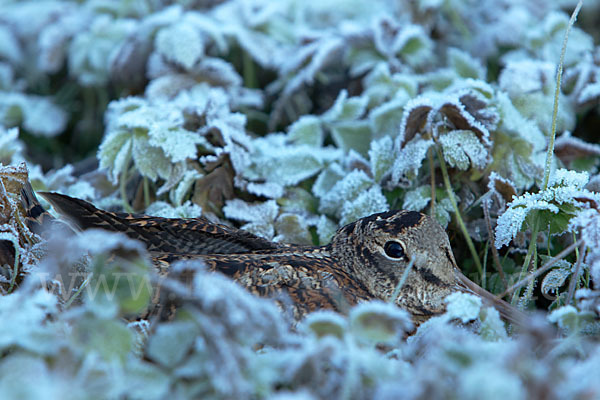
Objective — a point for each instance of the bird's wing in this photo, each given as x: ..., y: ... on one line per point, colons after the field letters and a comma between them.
x: 161, y: 235
x: 299, y: 283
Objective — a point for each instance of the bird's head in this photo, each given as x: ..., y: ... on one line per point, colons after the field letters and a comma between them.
x: 379, y: 249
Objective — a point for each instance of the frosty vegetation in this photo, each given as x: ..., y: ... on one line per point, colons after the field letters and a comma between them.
x: 290, y: 119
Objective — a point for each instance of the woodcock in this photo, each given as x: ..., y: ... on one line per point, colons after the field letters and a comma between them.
x: 365, y: 260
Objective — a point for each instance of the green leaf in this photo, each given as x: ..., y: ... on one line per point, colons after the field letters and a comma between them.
x: 352, y: 135
x: 462, y: 149
x: 150, y: 161
x: 307, y: 130
x: 171, y: 342
x: 110, y: 339
x: 379, y: 322
x: 326, y: 323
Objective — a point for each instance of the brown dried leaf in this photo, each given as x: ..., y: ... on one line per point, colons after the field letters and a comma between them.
x: 213, y: 189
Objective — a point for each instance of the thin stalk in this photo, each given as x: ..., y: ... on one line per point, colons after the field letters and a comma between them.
x: 78, y: 292
x: 529, y: 291
x: 249, y: 71
x: 530, y: 251
x: 542, y: 269
x: 459, y: 219
x: 15, y: 272
x: 432, y: 171
x: 123, y: 186
x: 550, y: 154
x: 488, y: 222
x: 485, y: 257
x: 575, y: 276
x: 402, y: 280
x: 146, y: 192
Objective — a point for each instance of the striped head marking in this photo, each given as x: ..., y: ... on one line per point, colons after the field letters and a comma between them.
x: 378, y: 249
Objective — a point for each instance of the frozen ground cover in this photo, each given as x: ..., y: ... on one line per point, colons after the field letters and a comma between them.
x: 289, y: 119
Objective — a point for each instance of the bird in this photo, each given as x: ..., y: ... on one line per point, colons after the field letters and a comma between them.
x: 401, y: 256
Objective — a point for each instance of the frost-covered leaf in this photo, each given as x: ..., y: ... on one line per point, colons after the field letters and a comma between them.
x: 259, y: 212
x: 325, y: 229
x: 109, y: 339
x: 348, y: 188
x: 557, y: 276
x: 352, y: 135
x: 146, y: 380
x: 464, y: 109
x: 576, y: 153
x: 379, y: 322
x: 288, y: 165
x: 381, y: 157
x: 492, y: 327
x: 326, y: 323
x: 528, y: 85
x: 555, y: 206
x: 37, y: 114
x: 10, y: 48
x: 409, y: 159
x: 150, y: 161
x: 502, y: 188
x: 180, y: 43
x: 382, y: 85
x: 465, y: 65
x: 345, y: 108
x: 24, y: 316
x: 589, y: 223
x: 408, y: 42
x: 292, y: 228
x: 307, y: 130
x: 327, y: 179
x: 91, y: 51
x: 366, y: 203
x: 166, y: 210
x: 462, y: 150
x: 463, y: 306
x: 570, y: 319
x: 417, y: 199
x: 171, y: 342
x: 11, y: 148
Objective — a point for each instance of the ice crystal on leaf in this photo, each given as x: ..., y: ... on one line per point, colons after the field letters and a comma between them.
x: 462, y: 149
x: 11, y: 148
x: 555, y: 206
x: 285, y: 165
x: 166, y: 210
x: 554, y: 279
x: 348, y: 188
x: 409, y: 158
x: 324, y: 323
x: 530, y: 85
x: 588, y: 221
x: 153, y: 134
x: 91, y: 52
x: 463, y: 306
x: 379, y: 322
x: 366, y: 203
x: 181, y: 44
x: 36, y: 114
x: 259, y: 217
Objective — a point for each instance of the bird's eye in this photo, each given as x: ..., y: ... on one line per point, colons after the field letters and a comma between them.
x: 394, y: 250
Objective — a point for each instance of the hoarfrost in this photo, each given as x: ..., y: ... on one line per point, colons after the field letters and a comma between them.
x: 462, y: 149
x: 366, y: 203
x: 565, y: 195
x: 349, y: 188
x: 463, y: 306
